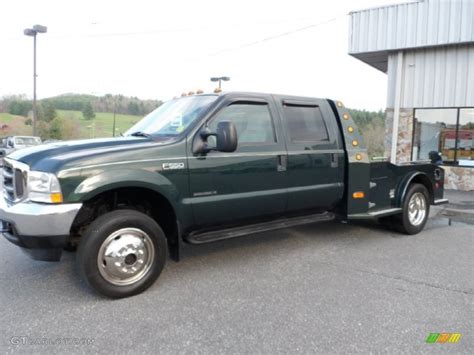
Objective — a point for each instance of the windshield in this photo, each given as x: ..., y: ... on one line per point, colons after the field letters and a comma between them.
x: 173, y: 117
x: 27, y: 141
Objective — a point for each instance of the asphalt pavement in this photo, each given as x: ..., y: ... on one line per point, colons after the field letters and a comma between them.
x: 323, y: 288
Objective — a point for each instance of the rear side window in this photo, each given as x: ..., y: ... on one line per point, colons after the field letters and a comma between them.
x: 305, y: 123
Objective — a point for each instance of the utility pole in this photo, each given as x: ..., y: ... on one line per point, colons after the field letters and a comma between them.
x: 115, y: 109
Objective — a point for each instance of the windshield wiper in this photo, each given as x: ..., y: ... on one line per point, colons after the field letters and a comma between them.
x: 140, y: 134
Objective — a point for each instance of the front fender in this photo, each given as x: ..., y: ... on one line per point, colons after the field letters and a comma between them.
x: 109, y: 180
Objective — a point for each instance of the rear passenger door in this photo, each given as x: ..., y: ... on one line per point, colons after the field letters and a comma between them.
x: 315, y: 154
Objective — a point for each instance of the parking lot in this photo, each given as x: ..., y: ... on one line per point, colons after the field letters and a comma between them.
x: 323, y: 288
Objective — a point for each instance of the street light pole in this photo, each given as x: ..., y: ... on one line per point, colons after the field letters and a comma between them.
x: 35, y: 110
x: 32, y: 32
x: 220, y: 79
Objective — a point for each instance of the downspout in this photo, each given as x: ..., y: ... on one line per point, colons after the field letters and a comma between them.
x: 396, y: 108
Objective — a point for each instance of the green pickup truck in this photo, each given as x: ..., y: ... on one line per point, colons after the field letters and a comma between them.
x: 200, y: 169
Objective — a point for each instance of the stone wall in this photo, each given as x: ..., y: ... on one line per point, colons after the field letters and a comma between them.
x: 405, y: 134
x: 459, y: 178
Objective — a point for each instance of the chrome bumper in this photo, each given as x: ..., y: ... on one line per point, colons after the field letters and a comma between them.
x: 36, y: 219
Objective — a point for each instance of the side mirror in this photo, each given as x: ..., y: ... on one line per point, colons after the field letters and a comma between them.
x: 226, y: 140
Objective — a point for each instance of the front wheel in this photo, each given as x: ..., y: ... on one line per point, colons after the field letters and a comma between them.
x: 415, y: 210
x: 122, y: 253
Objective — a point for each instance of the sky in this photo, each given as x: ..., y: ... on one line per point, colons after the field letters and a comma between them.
x: 160, y: 49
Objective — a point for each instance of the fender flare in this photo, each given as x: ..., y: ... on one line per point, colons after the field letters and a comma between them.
x: 114, y: 179
x: 402, y: 187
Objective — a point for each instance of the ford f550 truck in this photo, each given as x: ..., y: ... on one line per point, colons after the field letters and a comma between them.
x: 200, y: 169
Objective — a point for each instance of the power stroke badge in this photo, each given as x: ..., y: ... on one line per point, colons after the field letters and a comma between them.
x: 172, y: 166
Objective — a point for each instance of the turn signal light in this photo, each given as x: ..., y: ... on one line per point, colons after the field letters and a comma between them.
x: 358, y: 194
x: 57, y: 197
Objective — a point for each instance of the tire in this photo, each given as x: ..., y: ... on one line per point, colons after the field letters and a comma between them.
x: 122, y: 253
x: 410, y: 221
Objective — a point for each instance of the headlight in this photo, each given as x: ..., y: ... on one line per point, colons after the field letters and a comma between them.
x: 44, y: 187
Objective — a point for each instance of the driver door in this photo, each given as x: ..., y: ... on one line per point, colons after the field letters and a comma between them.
x: 230, y: 188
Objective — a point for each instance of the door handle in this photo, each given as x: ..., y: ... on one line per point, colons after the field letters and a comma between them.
x: 334, y: 160
x: 282, y: 162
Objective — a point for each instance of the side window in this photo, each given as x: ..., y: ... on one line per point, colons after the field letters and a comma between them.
x: 252, y: 120
x: 305, y: 123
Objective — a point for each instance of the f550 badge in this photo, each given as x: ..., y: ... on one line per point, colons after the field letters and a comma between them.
x: 172, y: 166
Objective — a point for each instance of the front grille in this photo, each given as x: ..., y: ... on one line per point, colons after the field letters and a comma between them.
x: 14, y: 182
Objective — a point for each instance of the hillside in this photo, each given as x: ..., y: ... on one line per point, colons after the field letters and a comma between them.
x: 100, y: 126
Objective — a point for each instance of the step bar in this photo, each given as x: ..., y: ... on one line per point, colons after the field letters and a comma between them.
x: 228, y: 233
x: 375, y: 214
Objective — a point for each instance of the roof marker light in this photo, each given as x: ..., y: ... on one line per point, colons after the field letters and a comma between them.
x: 355, y: 143
x: 346, y: 116
x: 350, y: 129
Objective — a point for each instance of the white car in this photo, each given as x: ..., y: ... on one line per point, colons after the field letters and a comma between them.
x: 10, y: 144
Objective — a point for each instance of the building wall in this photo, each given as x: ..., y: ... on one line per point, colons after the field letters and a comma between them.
x: 436, y: 38
x: 434, y: 77
x: 430, y: 78
x: 415, y: 24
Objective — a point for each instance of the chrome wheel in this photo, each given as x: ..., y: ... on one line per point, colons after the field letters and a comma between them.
x: 126, y: 256
x: 417, y: 209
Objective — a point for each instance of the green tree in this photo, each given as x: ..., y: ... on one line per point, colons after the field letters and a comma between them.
x: 55, y: 128
x: 87, y: 111
x: 48, y: 112
x: 133, y: 108
x: 19, y: 107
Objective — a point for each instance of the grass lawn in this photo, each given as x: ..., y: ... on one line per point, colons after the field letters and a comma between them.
x: 101, y: 125
x: 7, y: 118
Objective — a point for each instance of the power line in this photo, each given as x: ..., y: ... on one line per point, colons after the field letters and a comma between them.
x: 164, y: 30
x: 271, y: 38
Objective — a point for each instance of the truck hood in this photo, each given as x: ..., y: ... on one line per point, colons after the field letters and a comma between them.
x: 46, y: 157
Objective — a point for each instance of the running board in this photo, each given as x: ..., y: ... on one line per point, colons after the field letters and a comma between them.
x: 375, y: 214
x: 215, y: 235
x: 441, y: 201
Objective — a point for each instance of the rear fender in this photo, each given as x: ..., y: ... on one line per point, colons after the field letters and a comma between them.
x: 415, y: 177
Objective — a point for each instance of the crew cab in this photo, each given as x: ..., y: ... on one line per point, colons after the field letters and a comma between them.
x: 200, y: 169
